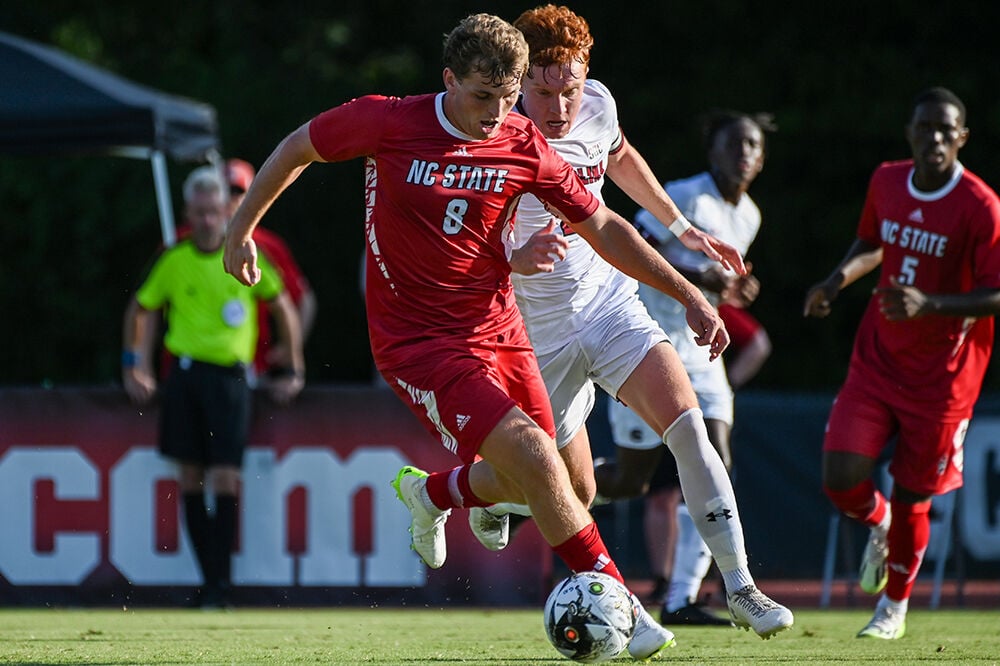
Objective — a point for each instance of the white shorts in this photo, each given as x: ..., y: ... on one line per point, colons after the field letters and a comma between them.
x: 606, y: 352
x: 715, y: 398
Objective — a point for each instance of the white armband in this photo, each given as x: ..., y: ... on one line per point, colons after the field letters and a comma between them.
x: 679, y: 226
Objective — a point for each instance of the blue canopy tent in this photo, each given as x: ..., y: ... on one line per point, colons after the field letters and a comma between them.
x: 54, y: 104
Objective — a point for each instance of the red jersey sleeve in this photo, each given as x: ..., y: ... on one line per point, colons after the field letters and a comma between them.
x: 986, y: 258
x: 352, y: 129
x: 868, y: 224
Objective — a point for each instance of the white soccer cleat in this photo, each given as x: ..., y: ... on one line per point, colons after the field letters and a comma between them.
x: 427, y: 526
x: 874, y: 573
x: 493, y: 531
x: 752, y: 609
x: 887, y: 624
x: 649, y: 637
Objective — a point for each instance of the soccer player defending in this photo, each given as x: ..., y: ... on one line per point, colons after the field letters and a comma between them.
x: 444, y: 174
x: 584, y: 317
x: 921, y: 348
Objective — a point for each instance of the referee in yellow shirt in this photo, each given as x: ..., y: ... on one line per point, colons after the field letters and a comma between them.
x: 211, y: 333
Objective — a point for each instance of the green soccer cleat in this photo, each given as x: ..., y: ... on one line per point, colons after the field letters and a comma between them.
x: 887, y: 624
x: 874, y: 572
x: 427, y: 524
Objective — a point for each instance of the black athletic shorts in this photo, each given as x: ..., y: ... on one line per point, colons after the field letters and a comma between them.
x: 205, y: 413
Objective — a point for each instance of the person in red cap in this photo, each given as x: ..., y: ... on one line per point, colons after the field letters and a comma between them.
x: 272, y: 356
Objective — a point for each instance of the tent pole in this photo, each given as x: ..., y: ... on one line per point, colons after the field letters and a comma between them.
x: 167, y: 227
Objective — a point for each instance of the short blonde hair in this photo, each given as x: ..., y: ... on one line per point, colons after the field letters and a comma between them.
x: 488, y: 45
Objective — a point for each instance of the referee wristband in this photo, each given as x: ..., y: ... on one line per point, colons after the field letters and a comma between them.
x: 679, y: 226
x: 129, y: 358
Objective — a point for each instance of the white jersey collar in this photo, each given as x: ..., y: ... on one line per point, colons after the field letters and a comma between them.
x: 943, y: 191
x: 445, y: 123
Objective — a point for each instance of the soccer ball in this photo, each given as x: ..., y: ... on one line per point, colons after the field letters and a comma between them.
x: 590, y: 617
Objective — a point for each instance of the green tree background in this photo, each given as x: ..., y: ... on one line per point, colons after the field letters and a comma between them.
x: 840, y: 77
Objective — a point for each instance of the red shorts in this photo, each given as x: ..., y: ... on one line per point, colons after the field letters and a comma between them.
x: 866, y: 415
x: 460, y: 391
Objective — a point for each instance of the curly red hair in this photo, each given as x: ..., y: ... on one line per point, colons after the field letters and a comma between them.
x: 555, y: 35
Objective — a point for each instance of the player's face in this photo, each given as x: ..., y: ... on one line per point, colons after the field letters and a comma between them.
x: 206, y: 212
x: 552, y: 97
x: 737, y: 153
x: 936, y: 134
x: 476, y: 106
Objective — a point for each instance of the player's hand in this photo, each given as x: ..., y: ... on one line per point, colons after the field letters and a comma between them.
x: 140, y: 385
x: 715, y: 249
x: 819, y: 297
x: 541, y: 251
x: 709, y: 330
x: 899, y: 302
x: 742, y: 290
x: 240, y: 260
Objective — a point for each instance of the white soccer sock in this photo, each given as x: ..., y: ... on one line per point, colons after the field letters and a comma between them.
x: 898, y: 606
x: 709, y: 495
x: 691, y: 562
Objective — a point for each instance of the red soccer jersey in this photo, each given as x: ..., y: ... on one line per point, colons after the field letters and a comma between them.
x: 439, y: 205
x: 941, y: 242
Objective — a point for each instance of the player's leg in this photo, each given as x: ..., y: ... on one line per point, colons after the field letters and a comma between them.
x: 659, y: 391
x: 565, y: 372
x: 180, y: 441
x: 227, y: 399
x: 925, y: 440
x: 491, y: 524
x: 859, y: 426
x: 693, y: 559
x: 197, y: 522
x: 659, y: 528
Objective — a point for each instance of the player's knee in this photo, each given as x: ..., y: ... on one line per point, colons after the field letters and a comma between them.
x: 585, y: 488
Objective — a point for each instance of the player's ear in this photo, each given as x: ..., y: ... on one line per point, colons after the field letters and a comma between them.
x: 450, y: 80
x: 963, y: 137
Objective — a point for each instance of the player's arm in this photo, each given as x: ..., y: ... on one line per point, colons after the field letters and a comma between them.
x: 285, y: 387
x: 620, y: 244
x: 280, y: 170
x: 861, y: 258
x: 899, y: 302
x: 138, y: 328
x: 630, y: 172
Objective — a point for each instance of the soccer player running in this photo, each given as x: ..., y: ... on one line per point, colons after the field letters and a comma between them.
x: 585, y: 319
x: 921, y: 349
x: 444, y: 174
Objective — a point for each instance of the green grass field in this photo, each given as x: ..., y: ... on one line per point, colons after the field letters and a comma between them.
x: 455, y: 636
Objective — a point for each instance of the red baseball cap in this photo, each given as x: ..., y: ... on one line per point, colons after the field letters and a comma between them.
x: 240, y: 174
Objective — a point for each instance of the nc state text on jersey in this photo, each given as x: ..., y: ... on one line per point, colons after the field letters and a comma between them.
x: 457, y: 176
x: 913, y: 239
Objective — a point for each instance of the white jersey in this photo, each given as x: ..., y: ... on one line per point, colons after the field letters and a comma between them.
x: 701, y: 202
x: 558, y: 305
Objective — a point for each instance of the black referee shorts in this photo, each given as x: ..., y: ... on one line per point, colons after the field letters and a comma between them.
x: 205, y: 415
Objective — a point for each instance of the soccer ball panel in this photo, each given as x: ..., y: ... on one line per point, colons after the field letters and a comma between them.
x: 590, y: 617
